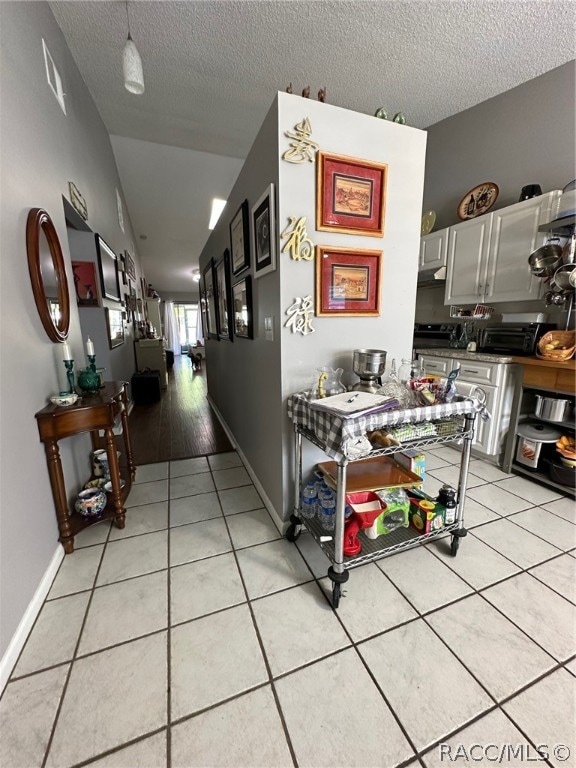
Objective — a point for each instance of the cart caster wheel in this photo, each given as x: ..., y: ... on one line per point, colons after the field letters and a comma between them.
x: 336, y: 596
x: 455, y: 544
x: 293, y: 532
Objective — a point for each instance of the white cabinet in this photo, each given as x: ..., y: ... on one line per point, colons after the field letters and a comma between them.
x: 487, y: 259
x: 496, y: 381
x: 150, y: 354
x: 433, y: 248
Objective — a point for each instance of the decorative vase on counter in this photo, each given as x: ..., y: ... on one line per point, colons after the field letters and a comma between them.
x: 327, y: 382
x: 89, y: 380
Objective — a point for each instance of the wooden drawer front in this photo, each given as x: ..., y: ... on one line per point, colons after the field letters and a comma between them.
x: 440, y: 365
x: 478, y: 373
x: 535, y: 376
x: 566, y: 382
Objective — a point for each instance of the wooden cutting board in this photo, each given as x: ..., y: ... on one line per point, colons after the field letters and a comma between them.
x: 371, y: 474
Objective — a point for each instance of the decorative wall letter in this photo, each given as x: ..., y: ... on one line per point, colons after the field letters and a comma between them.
x: 298, y: 244
x: 302, y: 148
x: 300, y: 316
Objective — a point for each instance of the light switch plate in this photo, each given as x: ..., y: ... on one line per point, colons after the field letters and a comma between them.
x: 269, y: 328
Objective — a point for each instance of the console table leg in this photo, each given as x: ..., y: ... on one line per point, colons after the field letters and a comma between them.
x: 120, y: 514
x: 59, y: 493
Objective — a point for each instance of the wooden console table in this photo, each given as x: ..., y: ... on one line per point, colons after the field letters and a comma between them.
x: 90, y: 413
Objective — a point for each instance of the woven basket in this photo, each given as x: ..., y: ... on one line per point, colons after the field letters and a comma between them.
x: 566, y: 338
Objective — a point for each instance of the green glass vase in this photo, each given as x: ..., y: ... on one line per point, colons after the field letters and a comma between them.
x: 89, y: 380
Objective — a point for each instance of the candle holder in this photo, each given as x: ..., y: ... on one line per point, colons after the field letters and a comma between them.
x: 88, y: 379
x: 70, y: 375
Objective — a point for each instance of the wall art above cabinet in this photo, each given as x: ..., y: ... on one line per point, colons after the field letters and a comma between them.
x: 487, y: 257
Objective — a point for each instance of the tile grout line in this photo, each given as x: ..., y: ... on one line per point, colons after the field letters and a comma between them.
x: 169, y: 630
x: 74, y: 655
x: 262, y: 650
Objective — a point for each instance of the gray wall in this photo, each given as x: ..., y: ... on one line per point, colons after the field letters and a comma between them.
x: 523, y: 136
x: 250, y: 381
x: 42, y: 149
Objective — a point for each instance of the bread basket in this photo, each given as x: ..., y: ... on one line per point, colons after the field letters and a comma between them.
x: 565, y: 339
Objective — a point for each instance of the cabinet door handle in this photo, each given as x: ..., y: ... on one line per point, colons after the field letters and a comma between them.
x: 470, y: 370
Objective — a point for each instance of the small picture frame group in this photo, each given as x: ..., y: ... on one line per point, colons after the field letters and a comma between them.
x: 348, y: 282
x: 350, y: 195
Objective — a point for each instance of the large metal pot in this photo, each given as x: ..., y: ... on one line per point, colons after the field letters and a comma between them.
x: 561, y: 279
x: 369, y: 362
x: 552, y: 408
x: 545, y: 260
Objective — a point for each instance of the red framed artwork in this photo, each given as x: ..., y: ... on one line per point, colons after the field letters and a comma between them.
x: 85, y: 283
x: 348, y: 282
x: 350, y: 195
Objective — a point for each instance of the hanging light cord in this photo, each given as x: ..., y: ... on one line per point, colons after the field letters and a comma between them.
x: 128, y: 20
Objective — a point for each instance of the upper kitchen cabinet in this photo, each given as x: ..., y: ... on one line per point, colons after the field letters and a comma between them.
x: 488, y: 257
x: 433, y: 248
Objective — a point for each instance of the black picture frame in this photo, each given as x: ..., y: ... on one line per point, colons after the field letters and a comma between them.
x: 108, y: 268
x: 242, y: 308
x: 264, y: 233
x: 114, y: 327
x: 240, y: 239
x: 210, y: 299
x: 224, y: 297
x: 129, y: 265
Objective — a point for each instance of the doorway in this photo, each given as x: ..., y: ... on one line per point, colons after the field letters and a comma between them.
x: 187, y: 321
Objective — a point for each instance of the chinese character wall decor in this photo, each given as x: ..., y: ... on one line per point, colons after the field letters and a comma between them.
x: 300, y: 315
x: 302, y: 148
x: 297, y: 244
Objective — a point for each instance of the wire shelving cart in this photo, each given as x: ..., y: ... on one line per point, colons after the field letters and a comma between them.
x: 342, y: 438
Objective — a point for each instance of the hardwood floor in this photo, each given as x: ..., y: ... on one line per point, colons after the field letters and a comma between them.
x: 182, y: 424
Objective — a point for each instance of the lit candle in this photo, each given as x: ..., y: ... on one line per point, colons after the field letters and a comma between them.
x: 66, y: 351
x: 89, y: 347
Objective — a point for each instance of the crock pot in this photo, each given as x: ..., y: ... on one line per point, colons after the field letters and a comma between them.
x: 530, y: 442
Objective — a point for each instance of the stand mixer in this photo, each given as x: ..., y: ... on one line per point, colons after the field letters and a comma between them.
x: 369, y: 365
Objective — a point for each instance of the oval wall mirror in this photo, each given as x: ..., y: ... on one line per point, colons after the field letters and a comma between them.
x: 48, y: 275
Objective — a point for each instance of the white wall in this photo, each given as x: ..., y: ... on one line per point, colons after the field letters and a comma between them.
x: 41, y: 149
x: 251, y: 380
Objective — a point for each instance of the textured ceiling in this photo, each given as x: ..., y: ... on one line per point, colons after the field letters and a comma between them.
x: 212, y: 68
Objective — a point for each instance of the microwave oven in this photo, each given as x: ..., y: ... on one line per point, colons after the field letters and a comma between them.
x: 512, y: 338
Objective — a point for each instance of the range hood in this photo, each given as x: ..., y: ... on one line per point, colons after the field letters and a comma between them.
x: 432, y: 276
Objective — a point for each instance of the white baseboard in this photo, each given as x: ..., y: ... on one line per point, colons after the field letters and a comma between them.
x: 19, y: 638
x: 280, y: 524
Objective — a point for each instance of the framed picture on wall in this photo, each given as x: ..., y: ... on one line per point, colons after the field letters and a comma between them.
x: 108, y: 265
x: 240, y: 239
x: 85, y: 283
x: 210, y: 297
x: 348, y: 282
x: 130, y: 266
x: 115, y: 327
x: 264, y: 233
x: 224, y: 297
x: 242, y: 302
x: 350, y: 195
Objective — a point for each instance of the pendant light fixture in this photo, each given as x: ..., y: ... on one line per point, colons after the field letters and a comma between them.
x: 132, y: 64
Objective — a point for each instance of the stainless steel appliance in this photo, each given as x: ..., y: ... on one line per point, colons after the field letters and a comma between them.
x: 552, y: 408
x: 512, y: 338
x: 430, y: 335
x: 369, y: 365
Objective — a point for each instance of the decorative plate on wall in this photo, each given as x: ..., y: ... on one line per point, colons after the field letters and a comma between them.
x: 428, y: 221
x: 478, y: 200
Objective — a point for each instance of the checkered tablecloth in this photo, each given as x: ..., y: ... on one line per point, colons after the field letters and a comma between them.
x: 345, y: 437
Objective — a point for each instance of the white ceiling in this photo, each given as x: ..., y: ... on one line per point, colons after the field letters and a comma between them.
x: 212, y: 68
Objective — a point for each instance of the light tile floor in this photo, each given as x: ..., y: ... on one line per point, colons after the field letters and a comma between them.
x: 198, y: 636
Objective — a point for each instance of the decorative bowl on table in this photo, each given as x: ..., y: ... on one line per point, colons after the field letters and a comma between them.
x: 64, y: 398
x: 90, y: 502
x: 108, y: 485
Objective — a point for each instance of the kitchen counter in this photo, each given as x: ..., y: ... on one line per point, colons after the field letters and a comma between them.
x: 462, y: 354
x: 552, y: 375
x: 567, y: 365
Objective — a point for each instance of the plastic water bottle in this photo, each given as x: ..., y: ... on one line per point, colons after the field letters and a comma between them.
x: 328, y: 510
x: 308, y: 506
